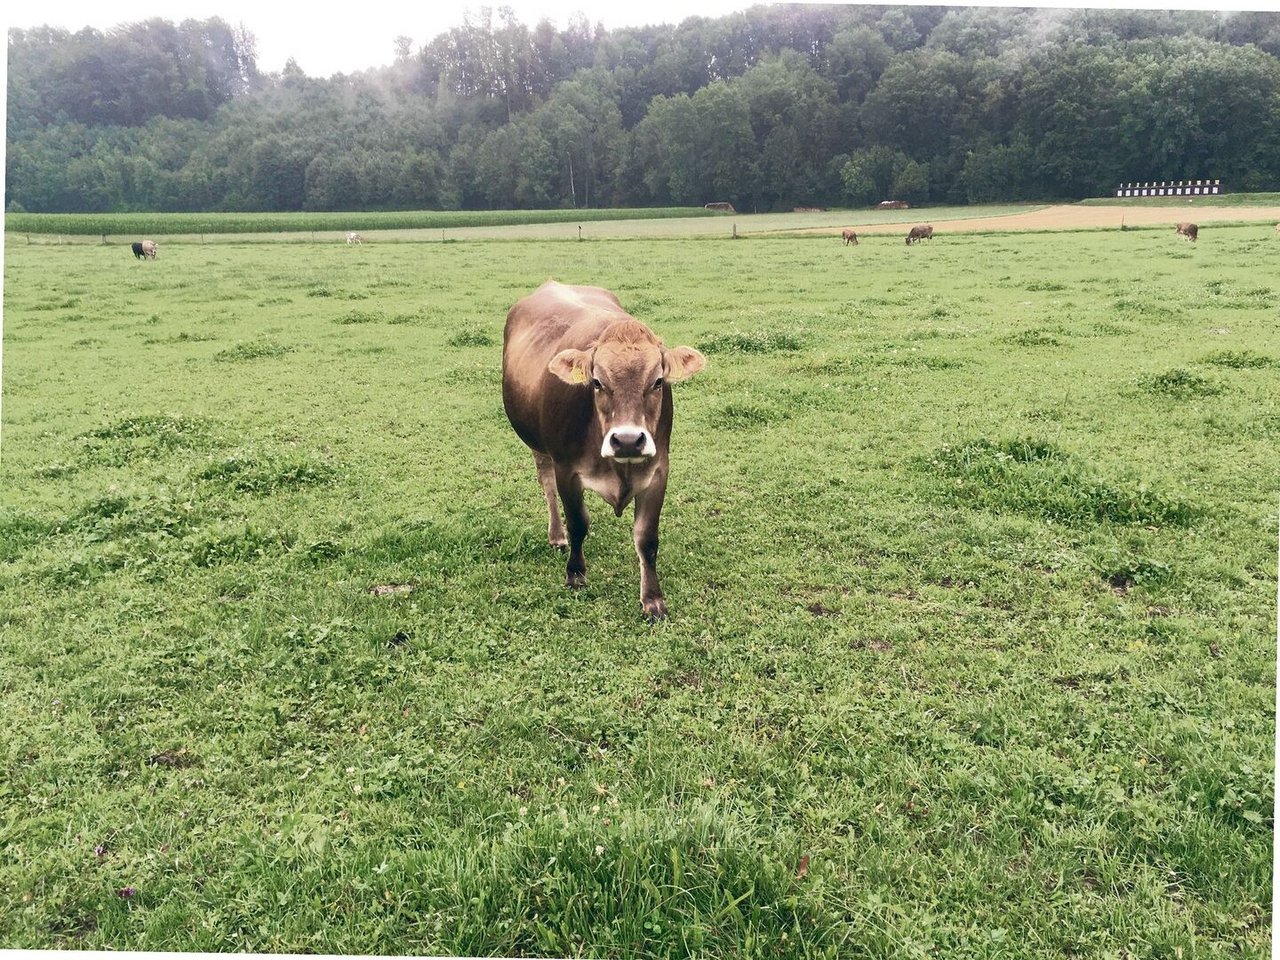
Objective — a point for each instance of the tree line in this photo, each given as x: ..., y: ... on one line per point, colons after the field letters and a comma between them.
x: 769, y: 108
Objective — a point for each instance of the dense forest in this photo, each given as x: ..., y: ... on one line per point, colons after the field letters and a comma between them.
x: 774, y: 107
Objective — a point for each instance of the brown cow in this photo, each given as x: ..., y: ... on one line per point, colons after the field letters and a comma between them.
x: 920, y: 233
x: 149, y: 249
x: 1188, y: 231
x: 849, y: 236
x: 588, y: 388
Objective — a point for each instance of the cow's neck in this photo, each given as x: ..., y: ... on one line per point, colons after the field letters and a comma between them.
x: 618, y: 483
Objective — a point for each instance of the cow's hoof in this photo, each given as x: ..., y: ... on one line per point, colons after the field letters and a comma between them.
x: 561, y: 545
x: 575, y: 581
x: 655, y: 610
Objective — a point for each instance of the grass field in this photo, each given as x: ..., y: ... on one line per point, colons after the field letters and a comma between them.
x: 215, y: 224
x: 588, y: 224
x: 970, y: 549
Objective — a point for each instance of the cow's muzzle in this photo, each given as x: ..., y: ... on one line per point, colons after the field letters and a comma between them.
x: 628, y: 445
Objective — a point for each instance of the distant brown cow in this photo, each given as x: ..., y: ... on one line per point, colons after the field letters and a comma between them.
x: 849, y: 236
x: 892, y: 205
x: 588, y: 388
x: 1188, y: 231
x: 920, y: 233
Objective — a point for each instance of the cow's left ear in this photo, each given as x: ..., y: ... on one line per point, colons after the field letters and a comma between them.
x: 682, y: 363
x: 571, y: 366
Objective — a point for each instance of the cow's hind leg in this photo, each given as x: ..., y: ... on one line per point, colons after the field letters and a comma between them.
x: 547, y: 477
x: 575, y: 518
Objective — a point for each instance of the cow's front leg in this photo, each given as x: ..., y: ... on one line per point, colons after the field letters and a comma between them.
x: 645, y: 536
x: 547, y: 477
x: 575, y: 518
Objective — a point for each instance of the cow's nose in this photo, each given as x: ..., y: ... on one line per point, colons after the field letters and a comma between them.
x: 627, y: 443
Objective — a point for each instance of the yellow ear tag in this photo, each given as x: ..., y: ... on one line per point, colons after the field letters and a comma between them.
x: 579, y: 375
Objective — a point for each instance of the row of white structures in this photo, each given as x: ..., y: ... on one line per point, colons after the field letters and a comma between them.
x: 1168, y: 188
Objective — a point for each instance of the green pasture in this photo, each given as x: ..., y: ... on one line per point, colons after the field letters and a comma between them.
x: 213, y: 224
x: 970, y: 549
x: 590, y: 224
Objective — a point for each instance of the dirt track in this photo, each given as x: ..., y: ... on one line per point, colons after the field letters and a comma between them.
x: 1076, y: 217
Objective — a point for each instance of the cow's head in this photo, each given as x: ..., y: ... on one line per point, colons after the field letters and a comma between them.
x: 628, y: 371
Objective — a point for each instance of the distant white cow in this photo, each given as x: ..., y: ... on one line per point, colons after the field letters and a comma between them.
x: 354, y: 237
x: 149, y: 249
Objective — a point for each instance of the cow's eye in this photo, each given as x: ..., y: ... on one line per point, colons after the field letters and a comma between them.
x: 657, y: 384
x: 596, y: 384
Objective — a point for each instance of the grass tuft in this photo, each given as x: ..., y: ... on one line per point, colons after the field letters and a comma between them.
x: 268, y: 474
x: 1239, y: 359
x: 1035, y: 477
x: 751, y: 343
x: 1229, y: 295
x: 147, y: 437
x: 360, y: 316
x: 699, y: 883
x: 1182, y: 384
x: 246, y: 544
x: 252, y: 350
x: 471, y: 337
x: 19, y: 531
x: 1032, y: 338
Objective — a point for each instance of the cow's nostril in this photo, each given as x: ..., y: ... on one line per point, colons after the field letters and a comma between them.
x: 627, y: 441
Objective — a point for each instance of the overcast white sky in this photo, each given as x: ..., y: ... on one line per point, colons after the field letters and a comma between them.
x: 332, y: 38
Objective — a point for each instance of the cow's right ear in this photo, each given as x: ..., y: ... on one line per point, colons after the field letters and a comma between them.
x: 571, y: 366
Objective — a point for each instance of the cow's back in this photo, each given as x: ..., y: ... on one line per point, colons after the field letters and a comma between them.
x: 542, y: 408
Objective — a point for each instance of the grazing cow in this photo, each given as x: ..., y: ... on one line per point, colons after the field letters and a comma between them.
x: 920, y: 233
x: 137, y: 250
x: 849, y: 236
x: 354, y: 237
x: 1278, y: 228
x: 1188, y: 231
x: 588, y: 388
x: 149, y: 249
